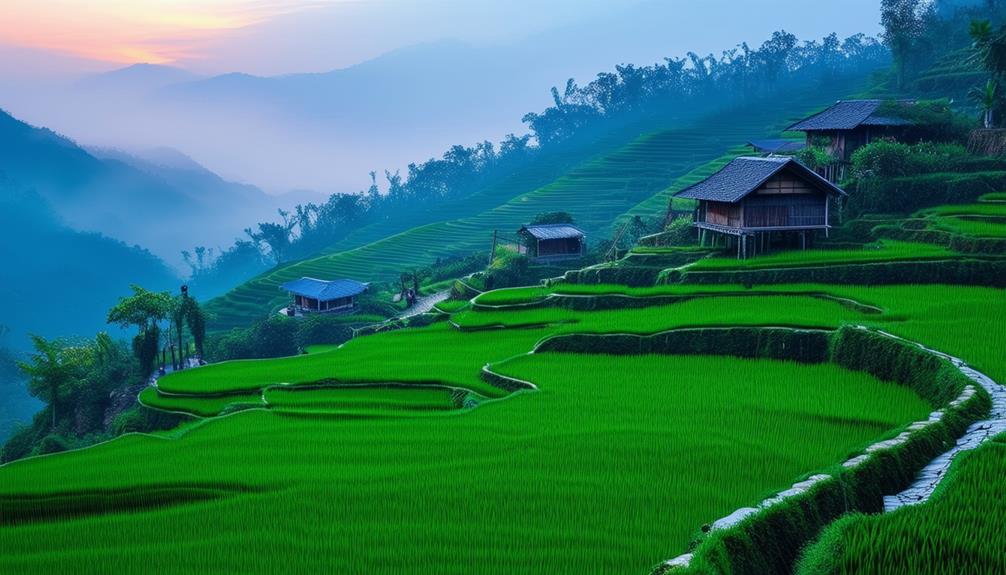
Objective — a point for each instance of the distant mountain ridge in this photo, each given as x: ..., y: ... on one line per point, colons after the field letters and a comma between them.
x: 165, y: 202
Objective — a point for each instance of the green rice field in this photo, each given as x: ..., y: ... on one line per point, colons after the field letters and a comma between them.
x: 882, y: 251
x: 585, y: 475
x: 976, y: 226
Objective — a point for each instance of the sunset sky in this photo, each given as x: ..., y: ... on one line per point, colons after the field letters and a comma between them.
x: 270, y: 37
x: 128, y: 31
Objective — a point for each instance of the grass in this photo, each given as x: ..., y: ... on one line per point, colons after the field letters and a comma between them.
x: 610, y: 467
x: 882, y: 251
x: 960, y: 530
x: 993, y: 197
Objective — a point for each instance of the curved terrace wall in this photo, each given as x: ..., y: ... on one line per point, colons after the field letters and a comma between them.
x: 972, y: 271
x: 768, y: 538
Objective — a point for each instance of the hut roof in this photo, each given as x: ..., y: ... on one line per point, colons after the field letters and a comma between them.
x: 746, y: 174
x: 324, y: 290
x: 849, y: 115
x: 552, y: 231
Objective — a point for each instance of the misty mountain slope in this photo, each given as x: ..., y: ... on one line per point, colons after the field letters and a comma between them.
x: 328, y: 129
x: 59, y: 282
x: 596, y: 191
x: 135, y: 80
x: 165, y: 208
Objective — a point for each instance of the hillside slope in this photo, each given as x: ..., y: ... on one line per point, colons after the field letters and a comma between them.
x: 163, y: 208
x: 57, y: 281
x: 616, y: 173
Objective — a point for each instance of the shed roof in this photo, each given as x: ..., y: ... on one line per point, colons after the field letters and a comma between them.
x: 746, y: 174
x: 324, y: 290
x: 848, y: 115
x: 552, y: 231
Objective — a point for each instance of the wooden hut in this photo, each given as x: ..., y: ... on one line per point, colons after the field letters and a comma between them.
x: 552, y: 242
x: 754, y: 201
x: 312, y: 295
x: 849, y: 125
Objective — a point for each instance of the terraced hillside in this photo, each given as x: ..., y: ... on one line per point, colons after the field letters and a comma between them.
x: 546, y: 466
x: 627, y: 167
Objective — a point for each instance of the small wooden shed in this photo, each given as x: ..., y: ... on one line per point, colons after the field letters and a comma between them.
x: 552, y: 242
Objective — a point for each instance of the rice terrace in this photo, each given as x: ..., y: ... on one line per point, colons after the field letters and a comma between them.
x: 735, y: 313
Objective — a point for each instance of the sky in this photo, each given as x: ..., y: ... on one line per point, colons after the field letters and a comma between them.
x: 269, y: 37
x: 496, y: 61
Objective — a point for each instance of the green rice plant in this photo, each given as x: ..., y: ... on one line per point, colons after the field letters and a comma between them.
x: 884, y: 250
x: 741, y: 309
x: 199, y: 405
x: 356, y: 398
x: 960, y: 530
x: 435, y: 355
x: 451, y: 305
x: 993, y: 197
x: 981, y: 227
x: 635, y: 450
x: 980, y: 209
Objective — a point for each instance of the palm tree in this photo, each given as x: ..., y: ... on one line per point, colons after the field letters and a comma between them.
x: 986, y: 97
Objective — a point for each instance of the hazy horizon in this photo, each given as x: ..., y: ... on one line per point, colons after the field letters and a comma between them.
x: 265, y: 135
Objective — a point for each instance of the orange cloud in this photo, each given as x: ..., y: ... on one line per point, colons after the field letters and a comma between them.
x: 129, y: 31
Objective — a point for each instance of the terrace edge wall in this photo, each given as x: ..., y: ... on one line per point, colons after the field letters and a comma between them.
x: 769, y: 538
x: 971, y: 271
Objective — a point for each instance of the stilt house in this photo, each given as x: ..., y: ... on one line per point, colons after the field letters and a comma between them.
x: 754, y: 202
x: 849, y: 125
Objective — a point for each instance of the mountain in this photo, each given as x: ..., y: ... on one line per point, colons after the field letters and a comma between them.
x: 163, y: 201
x: 57, y: 281
x: 136, y: 79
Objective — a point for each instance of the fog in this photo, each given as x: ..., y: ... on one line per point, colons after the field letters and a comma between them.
x: 320, y: 96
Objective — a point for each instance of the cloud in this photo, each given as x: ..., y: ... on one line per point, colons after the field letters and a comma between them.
x: 128, y: 31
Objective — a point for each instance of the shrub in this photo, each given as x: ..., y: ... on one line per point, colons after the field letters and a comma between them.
x: 889, y: 159
x: 912, y: 193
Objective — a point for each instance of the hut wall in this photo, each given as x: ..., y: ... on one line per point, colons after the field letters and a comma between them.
x: 723, y: 214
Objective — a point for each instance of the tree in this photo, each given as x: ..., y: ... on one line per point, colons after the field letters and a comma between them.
x: 144, y: 309
x: 987, y: 99
x: 552, y: 218
x: 903, y: 25
x: 51, y: 372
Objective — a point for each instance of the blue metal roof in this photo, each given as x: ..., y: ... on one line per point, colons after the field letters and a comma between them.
x: 552, y: 231
x: 324, y: 290
x: 849, y: 115
x: 777, y: 146
x: 746, y: 174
